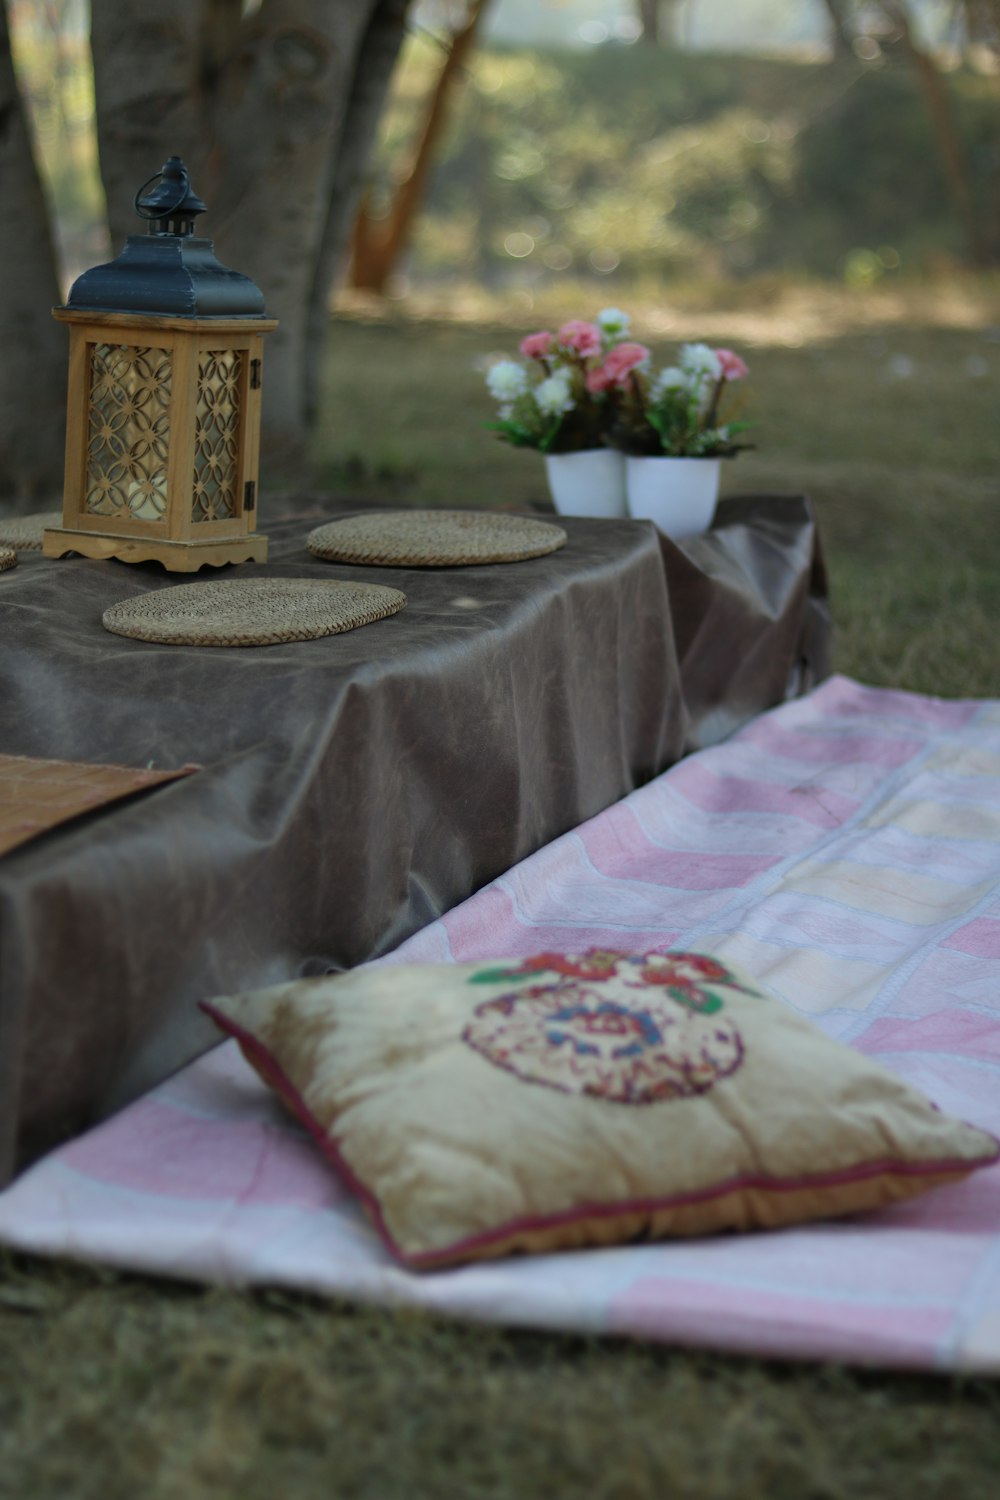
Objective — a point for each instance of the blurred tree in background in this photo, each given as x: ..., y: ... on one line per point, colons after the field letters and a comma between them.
x: 508, y: 168
x: 378, y: 243
x: 33, y: 361
x: 658, y: 20
x: 273, y: 104
x: 637, y: 165
x: 875, y: 28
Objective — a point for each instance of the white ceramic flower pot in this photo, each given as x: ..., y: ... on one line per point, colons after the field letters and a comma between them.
x: 678, y: 494
x: 591, y: 483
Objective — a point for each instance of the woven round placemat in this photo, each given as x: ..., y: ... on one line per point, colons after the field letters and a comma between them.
x: 25, y: 532
x: 8, y: 559
x: 433, y: 538
x: 250, y: 611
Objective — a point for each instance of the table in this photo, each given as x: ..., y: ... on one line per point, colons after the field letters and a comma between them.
x: 354, y: 787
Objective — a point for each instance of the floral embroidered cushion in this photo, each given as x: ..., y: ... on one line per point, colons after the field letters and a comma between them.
x: 556, y: 1101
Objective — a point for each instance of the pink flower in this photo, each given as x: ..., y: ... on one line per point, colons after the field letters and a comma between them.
x: 598, y: 380
x: 585, y: 338
x: 622, y: 360
x: 536, y: 345
x: 730, y: 364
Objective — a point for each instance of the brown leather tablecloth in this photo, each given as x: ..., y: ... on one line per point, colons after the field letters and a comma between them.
x: 354, y: 787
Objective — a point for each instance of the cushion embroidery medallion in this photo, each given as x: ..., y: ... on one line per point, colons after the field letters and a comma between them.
x: 476, y: 1109
x: 632, y: 1029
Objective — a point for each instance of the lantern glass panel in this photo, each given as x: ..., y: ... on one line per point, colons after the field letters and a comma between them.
x: 128, y: 431
x: 218, y: 416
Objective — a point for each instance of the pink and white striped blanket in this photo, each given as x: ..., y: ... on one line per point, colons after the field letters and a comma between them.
x: 845, y: 848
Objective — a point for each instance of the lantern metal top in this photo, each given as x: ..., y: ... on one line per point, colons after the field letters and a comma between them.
x: 169, y: 271
x: 173, y: 201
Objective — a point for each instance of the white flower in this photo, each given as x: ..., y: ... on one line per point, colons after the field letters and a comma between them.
x: 670, y: 379
x: 553, y: 396
x: 506, y: 380
x: 710, y: 440
x: 613, y: 322
x: 700, y: 360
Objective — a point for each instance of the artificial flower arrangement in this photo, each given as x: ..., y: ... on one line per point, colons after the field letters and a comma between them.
x: 560, y: 401
x: 679, y: 411
x: 589, y: 386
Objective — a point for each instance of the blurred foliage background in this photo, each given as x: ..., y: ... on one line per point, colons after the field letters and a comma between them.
x: 51, y: 49
x: 636, y: 166
x: 626, y: 165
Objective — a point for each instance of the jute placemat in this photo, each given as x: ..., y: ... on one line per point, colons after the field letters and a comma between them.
x: 36, y: 795
x: 25, y: 532
x: 250, y: 611
x: 8, y: 559
x: 433, y: 538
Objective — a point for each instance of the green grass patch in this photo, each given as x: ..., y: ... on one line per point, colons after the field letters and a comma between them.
x: 118, y: 1387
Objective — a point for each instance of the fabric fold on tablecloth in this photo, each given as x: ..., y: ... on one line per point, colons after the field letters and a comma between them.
x: 844, y: 848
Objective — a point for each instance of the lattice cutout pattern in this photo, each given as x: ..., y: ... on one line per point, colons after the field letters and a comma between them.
x: 129, y: 431
x: 217, y: 432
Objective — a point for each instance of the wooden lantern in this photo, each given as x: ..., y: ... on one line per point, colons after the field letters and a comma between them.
x: 163, y: 416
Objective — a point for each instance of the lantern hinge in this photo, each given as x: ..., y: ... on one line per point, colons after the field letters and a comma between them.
x: 255, y: 374
x: 249, y: 495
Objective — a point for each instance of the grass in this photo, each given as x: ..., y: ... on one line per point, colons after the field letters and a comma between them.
x: 884, y: 411
x: 115, y: 1387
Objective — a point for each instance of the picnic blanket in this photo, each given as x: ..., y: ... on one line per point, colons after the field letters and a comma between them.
x: 844, y: 848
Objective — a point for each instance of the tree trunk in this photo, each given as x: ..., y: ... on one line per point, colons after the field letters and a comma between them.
x: 273, y: 113
x: 33, y: 361
x: 958, y: 180
x: 378, y: 245
x: 649, y: 21
x: 377, y: 59
x: 659, y: 22
x: 980, y: 23
x: 841, y: 31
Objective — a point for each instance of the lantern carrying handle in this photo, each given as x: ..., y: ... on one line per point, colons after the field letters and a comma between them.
x: 162, y: 213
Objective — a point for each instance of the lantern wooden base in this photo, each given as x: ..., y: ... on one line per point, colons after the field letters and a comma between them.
x: 176, y: 557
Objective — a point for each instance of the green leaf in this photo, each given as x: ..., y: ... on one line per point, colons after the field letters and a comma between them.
x: 549, y: 437
x: 517, y: 436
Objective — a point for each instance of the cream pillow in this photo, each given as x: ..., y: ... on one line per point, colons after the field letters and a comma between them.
x: 554, y: 1101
